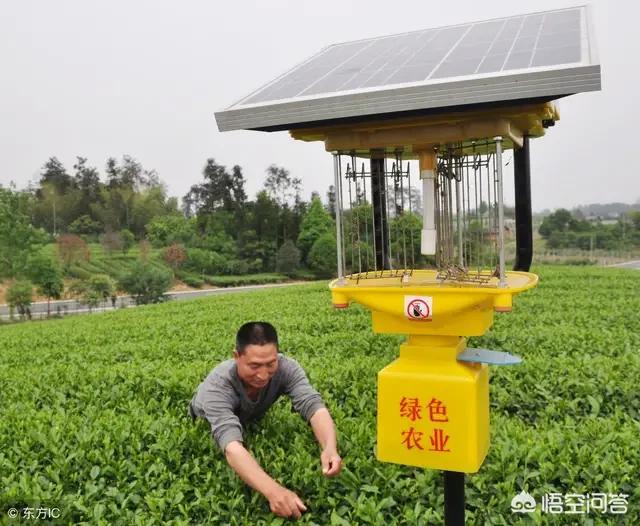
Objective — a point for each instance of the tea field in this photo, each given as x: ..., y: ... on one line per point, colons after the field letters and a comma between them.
x: 93, y: 411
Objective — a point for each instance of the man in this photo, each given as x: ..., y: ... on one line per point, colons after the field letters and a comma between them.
x: 241, y: 390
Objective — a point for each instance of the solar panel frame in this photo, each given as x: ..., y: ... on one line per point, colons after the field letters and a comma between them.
x: 507, y: 85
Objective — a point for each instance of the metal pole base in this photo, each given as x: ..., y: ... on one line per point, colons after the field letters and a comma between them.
x: 453, y: 498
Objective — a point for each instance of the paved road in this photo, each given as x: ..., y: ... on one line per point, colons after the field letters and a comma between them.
x: 628, y: 264
x: 63, y: 307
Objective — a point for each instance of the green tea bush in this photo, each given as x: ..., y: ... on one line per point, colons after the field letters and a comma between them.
x: 93, y: 414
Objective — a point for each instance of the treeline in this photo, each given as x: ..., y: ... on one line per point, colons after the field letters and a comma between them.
x: 562, y: 229
x: 222, y: 230
x: 47, y: 231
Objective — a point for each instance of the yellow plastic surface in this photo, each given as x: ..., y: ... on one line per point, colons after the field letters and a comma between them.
x: 433, y: 411
x: 455, y: 309
x: 417, y: 133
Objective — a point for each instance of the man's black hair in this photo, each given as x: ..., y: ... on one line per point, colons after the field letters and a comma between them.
x: 255, y: 333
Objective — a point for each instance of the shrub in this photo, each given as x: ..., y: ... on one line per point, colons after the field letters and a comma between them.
x: 323, y: 256
x: 111, y: 242
x: 20, y: 296
x: 72, y: 249
x: 84, y: 225
x: 104, y: 286
x: 128, y: 240
x: 175, y: 256
x: 147, y: 284
x: 145, y: 250
x: 288, y: 258
x: 46, y: 274
x: 190, y: 279
x: 236, y: 267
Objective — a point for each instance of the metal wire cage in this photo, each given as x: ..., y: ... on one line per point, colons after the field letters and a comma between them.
x: 381, y: 214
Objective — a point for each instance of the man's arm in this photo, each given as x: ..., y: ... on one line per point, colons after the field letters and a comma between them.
x: 282, y: 501
x: 325, y: 432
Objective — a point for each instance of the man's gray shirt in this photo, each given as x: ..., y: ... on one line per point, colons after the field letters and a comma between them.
x: 222, y: 400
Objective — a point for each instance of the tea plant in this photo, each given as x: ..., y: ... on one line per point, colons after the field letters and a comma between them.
x: 93, y: 411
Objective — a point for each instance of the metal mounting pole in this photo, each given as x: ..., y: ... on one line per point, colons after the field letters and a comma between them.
x: 453, y: 498
x: 338, y: 198
x: 498, y: 141
x: 379, y: 204
x: 524, y: 227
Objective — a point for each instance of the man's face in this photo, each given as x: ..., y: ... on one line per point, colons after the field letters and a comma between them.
x: 257, y: 364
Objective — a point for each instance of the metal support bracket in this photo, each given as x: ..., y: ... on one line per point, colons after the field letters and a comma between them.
x: 487, y: 356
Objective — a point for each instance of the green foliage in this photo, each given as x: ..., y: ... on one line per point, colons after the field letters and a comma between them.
x: 72, y: 249
x: 247, y: 279
x: 146, y: 283
x: 17, y: 236
x: 128, y: 240
x: 406, y: 232
x: 20, y: 296
x: 190, y: 279
x: 288, y: 258
x: 562, y: 230
x: 323, y: 255
x: 315, y: 223
x: 44, y: 271
x: 163, y: 231
x: 84, y: 225
x: 104, y: 286
x: 106, y: 437
x: 204, y: 261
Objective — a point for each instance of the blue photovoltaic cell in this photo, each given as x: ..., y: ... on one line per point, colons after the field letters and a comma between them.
x: 520, y: 42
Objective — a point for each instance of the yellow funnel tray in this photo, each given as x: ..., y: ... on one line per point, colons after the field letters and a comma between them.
x: 422, y: 304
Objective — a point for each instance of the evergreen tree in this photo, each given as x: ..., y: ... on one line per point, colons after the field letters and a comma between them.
x: 315, y: 223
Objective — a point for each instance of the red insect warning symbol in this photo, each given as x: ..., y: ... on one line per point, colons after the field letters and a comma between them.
x: 418, y: 307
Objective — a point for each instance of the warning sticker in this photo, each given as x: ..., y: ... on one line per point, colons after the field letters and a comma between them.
x: 419, y: 308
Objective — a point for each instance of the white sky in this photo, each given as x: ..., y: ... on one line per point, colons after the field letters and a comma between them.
x: 143, y: 78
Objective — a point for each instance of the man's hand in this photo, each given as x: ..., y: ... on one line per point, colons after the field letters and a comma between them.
x: 285, y: 503
x: 282, y: 501
x: 331, y: 462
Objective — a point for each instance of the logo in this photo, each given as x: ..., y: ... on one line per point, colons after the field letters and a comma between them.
x: 523, y: 503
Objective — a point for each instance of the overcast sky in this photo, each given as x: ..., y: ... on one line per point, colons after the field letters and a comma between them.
x: 143, y: 78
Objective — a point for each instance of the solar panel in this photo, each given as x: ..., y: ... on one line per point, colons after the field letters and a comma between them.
x: 546, y: 54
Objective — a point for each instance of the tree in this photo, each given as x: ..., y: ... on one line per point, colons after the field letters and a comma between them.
x: 84, y: 225
x: 288, y: 258
x: 46, y: 274
x: 315, y: 223
x: 217, y: 191
x: 55, y: 174
x: 20, y: 296
x: 87, y: 181
x: 175, y: 256
x: 128, y: 240
x: 17, y: 236
x: 280, y: 185
x: 102, y: 285
x: 111, y: 241
x: 145, y: 250
x: 166, y: 230
x: 90, y: 298
x: 147, y: 284
x: 406, y: 233
x: 558, y: 221
x: 323, y: 257
x: 72, y: 249
x: 331, y: 201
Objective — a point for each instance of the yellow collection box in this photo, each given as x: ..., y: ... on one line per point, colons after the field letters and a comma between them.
x: 433, y: 411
